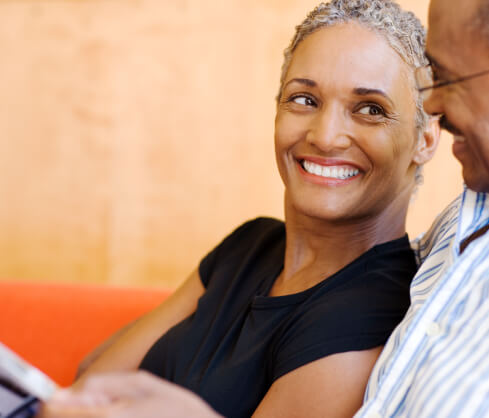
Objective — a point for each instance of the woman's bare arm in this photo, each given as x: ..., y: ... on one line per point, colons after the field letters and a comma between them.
x: 98, y: 351
x: 331, y: 387
x: 125, y: 350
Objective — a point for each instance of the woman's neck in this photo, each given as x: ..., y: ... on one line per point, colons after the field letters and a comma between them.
x: 316, y: 248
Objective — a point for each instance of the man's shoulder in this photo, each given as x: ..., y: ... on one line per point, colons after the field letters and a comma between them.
x: 442, y: 230
x: 448, y: 217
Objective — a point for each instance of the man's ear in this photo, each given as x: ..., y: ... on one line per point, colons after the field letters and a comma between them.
x: 428, y: 142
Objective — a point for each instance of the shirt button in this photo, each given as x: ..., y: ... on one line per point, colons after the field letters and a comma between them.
x: 374, y: 415
x: 433, y: 330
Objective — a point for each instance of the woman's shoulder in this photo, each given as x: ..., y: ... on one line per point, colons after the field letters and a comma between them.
x: 356, y: 315
x: 394, y: 260
x: 378, y: 283
x: 260, y: 224
x: 257, y: 238
x: 252, y: 231
x: 356, y: 309
x: 333, y: 324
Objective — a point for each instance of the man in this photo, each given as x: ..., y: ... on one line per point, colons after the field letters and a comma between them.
x: 436, y: 362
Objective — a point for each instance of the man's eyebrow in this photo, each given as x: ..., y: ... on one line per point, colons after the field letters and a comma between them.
x: 364, y: 91
x: 305, y: 81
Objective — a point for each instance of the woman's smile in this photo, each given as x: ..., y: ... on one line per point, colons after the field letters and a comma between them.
x: 328, y: 172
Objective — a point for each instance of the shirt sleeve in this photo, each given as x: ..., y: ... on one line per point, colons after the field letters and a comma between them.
x: 232, y: 249
x: 346, y: 321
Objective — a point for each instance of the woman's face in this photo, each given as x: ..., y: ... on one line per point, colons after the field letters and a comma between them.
x: 345, y: 126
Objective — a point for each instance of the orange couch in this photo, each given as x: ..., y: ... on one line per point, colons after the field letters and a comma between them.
x: 53, y: 326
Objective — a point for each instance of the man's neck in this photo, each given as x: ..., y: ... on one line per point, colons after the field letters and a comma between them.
x: 473, y: 237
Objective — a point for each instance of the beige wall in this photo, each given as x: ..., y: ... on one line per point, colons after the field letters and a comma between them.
x: 136, y: 133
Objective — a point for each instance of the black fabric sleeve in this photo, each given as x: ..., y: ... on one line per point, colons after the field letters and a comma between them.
x: 351, y: 322
x: 235, y: 245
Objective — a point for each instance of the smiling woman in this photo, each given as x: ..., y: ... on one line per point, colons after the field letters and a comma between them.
x: 287, y: 319
x: 361, y: 120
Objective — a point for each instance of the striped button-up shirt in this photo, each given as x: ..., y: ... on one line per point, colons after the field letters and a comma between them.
x: 436, y: 362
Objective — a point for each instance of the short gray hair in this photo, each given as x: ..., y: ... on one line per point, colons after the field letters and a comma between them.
x: 402, y: 30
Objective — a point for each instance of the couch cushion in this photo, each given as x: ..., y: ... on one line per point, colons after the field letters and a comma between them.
x: 53, y: 325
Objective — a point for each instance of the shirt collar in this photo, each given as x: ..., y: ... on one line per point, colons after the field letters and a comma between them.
x: 473, y: 215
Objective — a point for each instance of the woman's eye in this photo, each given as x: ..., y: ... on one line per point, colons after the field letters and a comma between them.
x: 303, y: 100
x: 371, y: 110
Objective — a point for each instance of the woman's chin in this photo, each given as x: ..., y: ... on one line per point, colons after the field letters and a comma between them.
x: 329, y: 212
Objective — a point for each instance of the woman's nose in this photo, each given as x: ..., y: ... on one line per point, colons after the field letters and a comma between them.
x: 329, y: 129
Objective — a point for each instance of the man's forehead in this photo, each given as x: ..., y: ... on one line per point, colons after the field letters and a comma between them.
x: 449, y: 15
x: 449, y: 23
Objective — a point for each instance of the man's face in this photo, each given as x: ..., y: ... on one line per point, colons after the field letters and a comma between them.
x: 457, y: 51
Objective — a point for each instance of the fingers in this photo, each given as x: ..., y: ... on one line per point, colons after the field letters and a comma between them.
x: 105, y: 390
x: 129, y: 385
x: 55, y: 410
x: 126, y: 395
x: 80, y: 397
x: 121, y: 385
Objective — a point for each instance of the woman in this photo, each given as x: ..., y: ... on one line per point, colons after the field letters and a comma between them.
x: 288, y: 319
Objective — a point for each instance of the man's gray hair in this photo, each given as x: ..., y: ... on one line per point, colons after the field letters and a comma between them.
x: 402, y: 30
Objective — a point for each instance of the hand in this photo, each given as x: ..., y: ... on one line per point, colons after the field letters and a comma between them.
x: 129, y: 394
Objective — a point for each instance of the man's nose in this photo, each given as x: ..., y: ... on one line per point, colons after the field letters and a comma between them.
x: 433, y: 104
x: 330, y: 129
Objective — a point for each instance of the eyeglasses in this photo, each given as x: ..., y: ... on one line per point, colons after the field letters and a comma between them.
x: 426, y: 75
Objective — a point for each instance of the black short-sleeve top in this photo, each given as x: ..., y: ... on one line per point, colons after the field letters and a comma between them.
x: 240, y: 340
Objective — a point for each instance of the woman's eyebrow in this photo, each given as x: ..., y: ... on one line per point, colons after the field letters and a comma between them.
x: 305, y: 81
x: 365, y: 91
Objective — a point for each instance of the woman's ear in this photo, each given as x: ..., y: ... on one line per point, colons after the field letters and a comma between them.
x: 428, y: 142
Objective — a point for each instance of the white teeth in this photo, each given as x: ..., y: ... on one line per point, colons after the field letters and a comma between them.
x: 341, y: 173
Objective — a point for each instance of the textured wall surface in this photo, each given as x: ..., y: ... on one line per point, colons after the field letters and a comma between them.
x: 135, y: 134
